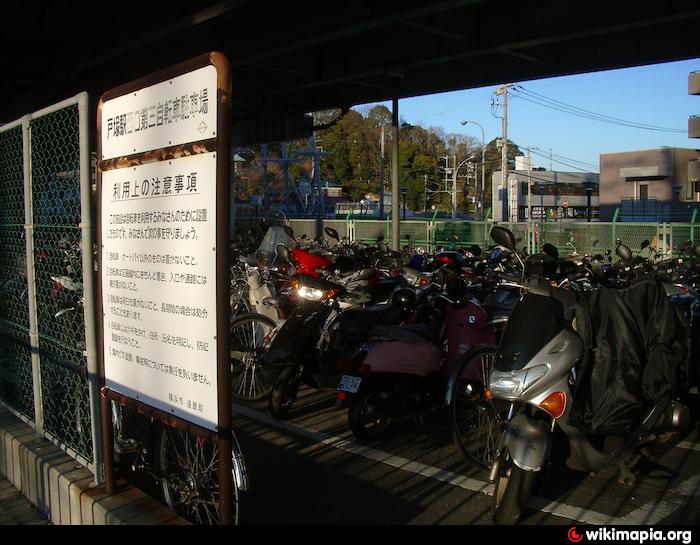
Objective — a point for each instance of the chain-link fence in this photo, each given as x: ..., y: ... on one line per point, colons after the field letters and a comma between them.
x: 16, y: 385
x: 45, y: 359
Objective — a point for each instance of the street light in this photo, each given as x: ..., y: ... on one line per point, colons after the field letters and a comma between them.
x: 483, y: 166
x: 404, y: 190
x: 589, y: 185
x: 454, y: 186
x: 543, y: 216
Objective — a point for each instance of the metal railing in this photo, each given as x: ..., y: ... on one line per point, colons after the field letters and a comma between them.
x: 583, y: 237
x: 48, y: 355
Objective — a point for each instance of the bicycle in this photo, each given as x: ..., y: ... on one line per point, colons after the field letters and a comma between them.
x: 183, y: 465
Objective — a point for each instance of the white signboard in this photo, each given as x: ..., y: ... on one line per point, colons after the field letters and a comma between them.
x: 158, y: 285
x: 173, y: 112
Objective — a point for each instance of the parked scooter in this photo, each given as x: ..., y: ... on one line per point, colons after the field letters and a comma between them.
x: 325, y: 329
x: 407, y: 368
x: 535, y: 370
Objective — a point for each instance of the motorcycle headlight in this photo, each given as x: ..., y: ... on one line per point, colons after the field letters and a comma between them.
x: 313, y: 294
x: 511, y: 384
x: 310, y: 293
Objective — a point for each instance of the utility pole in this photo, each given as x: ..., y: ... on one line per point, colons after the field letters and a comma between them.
x: 317, y: 183
x: 454, y: 189
x: 504, y: 148
x: 381, y: 175
x: 395, y: 76
x: 529, y: 201
x: 425, y: 192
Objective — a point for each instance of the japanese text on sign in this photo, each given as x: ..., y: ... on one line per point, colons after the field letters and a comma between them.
x: 158, y: 280
x: 176, y: 111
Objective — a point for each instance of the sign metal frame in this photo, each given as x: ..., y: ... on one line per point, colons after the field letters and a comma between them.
x: 220, y: 144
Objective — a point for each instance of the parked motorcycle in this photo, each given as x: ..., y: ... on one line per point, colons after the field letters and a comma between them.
x: 323, y: 332
x: 408, y: 369
x: 535, y: 370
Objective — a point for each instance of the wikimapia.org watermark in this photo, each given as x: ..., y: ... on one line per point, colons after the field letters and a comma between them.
x: 639, y: 536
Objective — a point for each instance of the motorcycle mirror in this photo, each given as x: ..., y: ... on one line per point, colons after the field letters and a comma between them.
x: 288, y: 231
x: 645, y: 243
x: 332, y: 233
x: 503, y: 237
x: 595, y: 243
x: 366, y: 274
x: 623, y: 252
x: 408, y: 236
x: 475, y: 250
x: 303, y: 236
x: 551, y: 250
x: 282, y: 252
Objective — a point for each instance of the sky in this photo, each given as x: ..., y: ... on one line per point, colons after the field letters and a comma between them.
x: 652, y: 95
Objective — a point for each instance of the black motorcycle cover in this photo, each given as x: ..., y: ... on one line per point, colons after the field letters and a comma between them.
x: 637, y: 346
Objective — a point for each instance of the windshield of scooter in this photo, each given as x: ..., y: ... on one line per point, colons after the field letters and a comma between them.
x: 275, y: 235
x: 534, y: 322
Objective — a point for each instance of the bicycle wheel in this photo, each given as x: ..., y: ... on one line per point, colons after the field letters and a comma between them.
x: 189, y: 471
x: 240, y: 304
x: 251, y: 379
x: 475, y: 421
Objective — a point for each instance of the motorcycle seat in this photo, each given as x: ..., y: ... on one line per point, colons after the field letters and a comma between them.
x: 410, y: 333
x: 358, y: 322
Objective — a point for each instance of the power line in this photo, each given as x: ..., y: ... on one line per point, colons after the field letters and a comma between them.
x: 552, y: 104
x: 560, y: 162
x: 575, y: 160
x: 583, y: 110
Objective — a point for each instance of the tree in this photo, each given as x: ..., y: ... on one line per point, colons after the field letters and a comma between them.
x: 379, y: 116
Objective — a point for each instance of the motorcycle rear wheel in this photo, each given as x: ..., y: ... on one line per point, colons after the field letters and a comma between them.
x: 366, y: 421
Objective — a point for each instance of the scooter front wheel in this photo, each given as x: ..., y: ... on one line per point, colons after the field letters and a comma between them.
x: 285, y: 390
x: 513, y: 489
x: 366, y: 419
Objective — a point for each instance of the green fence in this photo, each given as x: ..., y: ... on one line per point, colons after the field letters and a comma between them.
x: 582, y: 237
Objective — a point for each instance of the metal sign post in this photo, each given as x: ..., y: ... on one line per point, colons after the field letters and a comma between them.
x: 163, y: 251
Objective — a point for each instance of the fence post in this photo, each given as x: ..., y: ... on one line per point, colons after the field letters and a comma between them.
x: 431, y: 240
x: 387, y: 223
x: 614, y: 231
x: 31, y: 275
x: 89, y: 306
x: 692, y: 224
x: 487, y: 216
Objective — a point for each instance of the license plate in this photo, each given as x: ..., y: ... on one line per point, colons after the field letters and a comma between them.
x: 348, y: 383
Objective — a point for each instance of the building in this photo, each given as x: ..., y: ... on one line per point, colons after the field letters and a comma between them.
x: 648, y: 185
x: 562, y: 195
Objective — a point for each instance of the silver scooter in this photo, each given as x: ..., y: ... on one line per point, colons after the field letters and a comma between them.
x: 534, y: 370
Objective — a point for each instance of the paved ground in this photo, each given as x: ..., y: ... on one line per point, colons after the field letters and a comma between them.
x: 15, y: 509
x: 310, y: 470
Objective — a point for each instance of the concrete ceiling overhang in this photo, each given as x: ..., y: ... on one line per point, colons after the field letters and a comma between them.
x: 288, y: 58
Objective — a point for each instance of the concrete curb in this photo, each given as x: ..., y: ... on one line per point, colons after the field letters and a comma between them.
x: 62, y: 489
